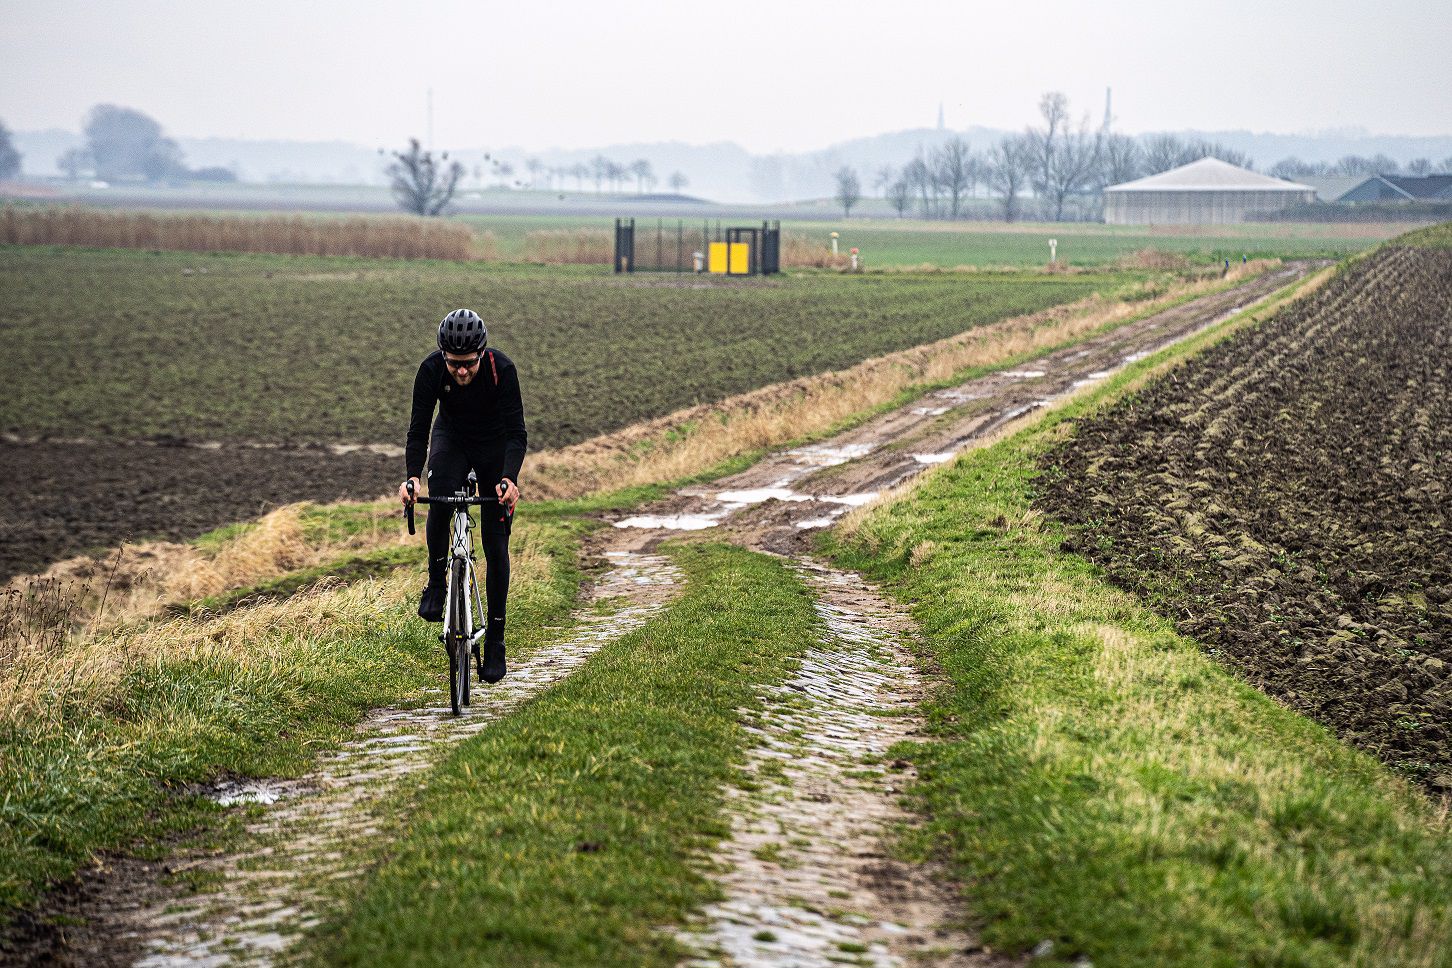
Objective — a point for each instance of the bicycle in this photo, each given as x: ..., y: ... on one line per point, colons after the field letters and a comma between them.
x: 460, y: 636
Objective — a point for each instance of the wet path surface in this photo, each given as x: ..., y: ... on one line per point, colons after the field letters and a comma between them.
x: 320, y: 828
x: 771, y: 503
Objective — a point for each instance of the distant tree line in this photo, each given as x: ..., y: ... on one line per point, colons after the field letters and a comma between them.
x: 125, y: 145
x: 601, y: 172
x: 1059, y: 169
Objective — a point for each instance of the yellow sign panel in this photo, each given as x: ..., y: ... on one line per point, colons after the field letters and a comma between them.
x: 740, y: 255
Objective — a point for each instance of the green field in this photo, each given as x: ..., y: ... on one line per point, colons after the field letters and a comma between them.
x: 126, y: 344
x: 889, y: 242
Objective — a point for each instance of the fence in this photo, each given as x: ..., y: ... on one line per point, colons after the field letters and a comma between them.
x: 667, y: 247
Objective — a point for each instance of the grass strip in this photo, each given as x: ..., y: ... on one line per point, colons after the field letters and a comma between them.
x: 566, y: 834
x: 1102, y: 783
x: 100, y: 740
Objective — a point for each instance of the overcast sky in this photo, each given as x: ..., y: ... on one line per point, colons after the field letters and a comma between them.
x: 779, y: 74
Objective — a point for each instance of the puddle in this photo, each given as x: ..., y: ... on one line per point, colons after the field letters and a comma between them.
x: 1136, y: 357
x: 674, y: 522
x: 811, y: 524
x: 823, y: 455
x: 934, y: 458
x: 1026, y: 374
x: 930, y: 411
x: 851, y: 500
x: 761, y: 495
x: 250, y: 791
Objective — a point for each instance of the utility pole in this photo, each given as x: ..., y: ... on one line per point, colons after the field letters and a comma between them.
x: 430, y: 125
x: 1108, y: 118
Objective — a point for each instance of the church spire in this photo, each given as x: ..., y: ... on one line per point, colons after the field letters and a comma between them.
x: 941, y: 126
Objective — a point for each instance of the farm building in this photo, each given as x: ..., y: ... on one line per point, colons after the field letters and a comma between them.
x: 1204, y: 192
x: 1401, y: 188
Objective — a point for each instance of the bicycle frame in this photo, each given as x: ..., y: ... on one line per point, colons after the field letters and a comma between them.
x: 461, y: 546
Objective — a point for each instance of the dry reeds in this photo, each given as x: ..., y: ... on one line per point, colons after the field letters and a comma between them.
x: 800, y: 252
x: 368, y: 236
x: 589, y: 247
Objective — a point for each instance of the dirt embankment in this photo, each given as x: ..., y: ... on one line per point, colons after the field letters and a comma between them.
x: 1285, y: 497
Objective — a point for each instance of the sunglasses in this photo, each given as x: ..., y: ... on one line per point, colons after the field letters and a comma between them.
x: 462, y: 364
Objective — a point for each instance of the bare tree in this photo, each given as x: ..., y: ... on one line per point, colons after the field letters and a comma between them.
x: 1165, y: 151
x: 1420, y: 166
x: 920, y: 178
x: 849, y: 189
x: 882, y: 179
x: 900, y: 196
x: 642, y: 171
x: 1065, y: 157
x: 421, y: 185
x: 534, y: 166
x: 1009, y: 163
x: 678, y: 181
x: 1446, y: 165
x: 9, y: 157
x: 579, y: 171
x: 1120, y: 160
x: 952, y: 162
x: 615, y: 174
x: 1293, y: 167
x: 599, y: 167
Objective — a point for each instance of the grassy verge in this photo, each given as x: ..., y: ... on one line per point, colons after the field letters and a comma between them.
x: 1103, y: 783
x: 101, y: 735
x: 562, y: 835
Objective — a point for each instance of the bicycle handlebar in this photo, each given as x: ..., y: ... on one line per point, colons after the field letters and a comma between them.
x: 447, y: 501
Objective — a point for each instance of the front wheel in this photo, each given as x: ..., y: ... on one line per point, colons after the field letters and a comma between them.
x: 456, y: 637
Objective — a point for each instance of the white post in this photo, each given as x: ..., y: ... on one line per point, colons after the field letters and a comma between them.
x: 1053, y: 251
x: 834, y: 243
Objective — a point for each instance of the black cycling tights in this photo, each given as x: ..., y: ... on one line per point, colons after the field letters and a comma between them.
x: 496, y: 565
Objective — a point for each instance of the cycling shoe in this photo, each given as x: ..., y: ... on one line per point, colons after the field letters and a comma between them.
x: 491, y: 664
x: 431, y: 604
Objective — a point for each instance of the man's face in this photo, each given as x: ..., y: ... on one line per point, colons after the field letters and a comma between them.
x: 462, y: 366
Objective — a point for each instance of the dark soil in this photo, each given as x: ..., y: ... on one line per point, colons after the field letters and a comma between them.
x: 61, y: 500
x: 1285, y: 497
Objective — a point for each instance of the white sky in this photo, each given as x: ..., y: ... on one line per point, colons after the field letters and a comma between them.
x: 789, y: 74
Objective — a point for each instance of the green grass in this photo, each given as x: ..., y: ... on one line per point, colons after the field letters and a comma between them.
x: 292, y: 348
x: 1434, y: 236
x: 1099, y: 781
x: 1026, y: 244
x: 568, y: 833
x: 255, y: 692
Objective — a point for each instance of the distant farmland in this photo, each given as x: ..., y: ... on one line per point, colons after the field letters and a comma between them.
x: 128, y: 344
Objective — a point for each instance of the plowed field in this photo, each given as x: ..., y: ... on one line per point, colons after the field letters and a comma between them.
x: 1285, y: 497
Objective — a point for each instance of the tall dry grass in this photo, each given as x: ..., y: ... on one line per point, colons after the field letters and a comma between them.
x: 591, y: 247
x: 370, y: 236
x: 691, y: 441
x: 800, y: 252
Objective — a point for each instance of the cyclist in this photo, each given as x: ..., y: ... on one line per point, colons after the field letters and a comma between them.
x: 480, y: 427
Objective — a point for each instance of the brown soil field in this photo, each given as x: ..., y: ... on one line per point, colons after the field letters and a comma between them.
x: 1285, y: 498
x: 71, y: 498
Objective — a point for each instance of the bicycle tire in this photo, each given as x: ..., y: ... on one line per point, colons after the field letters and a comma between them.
x: 458, y: 639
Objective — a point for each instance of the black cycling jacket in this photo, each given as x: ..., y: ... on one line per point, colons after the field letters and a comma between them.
x: 486, y: 414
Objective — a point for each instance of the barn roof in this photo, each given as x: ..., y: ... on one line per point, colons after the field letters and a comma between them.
x: 1209, y: 175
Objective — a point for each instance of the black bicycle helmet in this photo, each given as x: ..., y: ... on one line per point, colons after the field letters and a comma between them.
x: 462, y: 331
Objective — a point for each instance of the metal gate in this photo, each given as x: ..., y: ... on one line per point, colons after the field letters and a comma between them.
x: 677, y: 247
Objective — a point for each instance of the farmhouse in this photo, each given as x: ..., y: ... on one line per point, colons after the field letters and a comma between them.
x: 1204, y: 192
